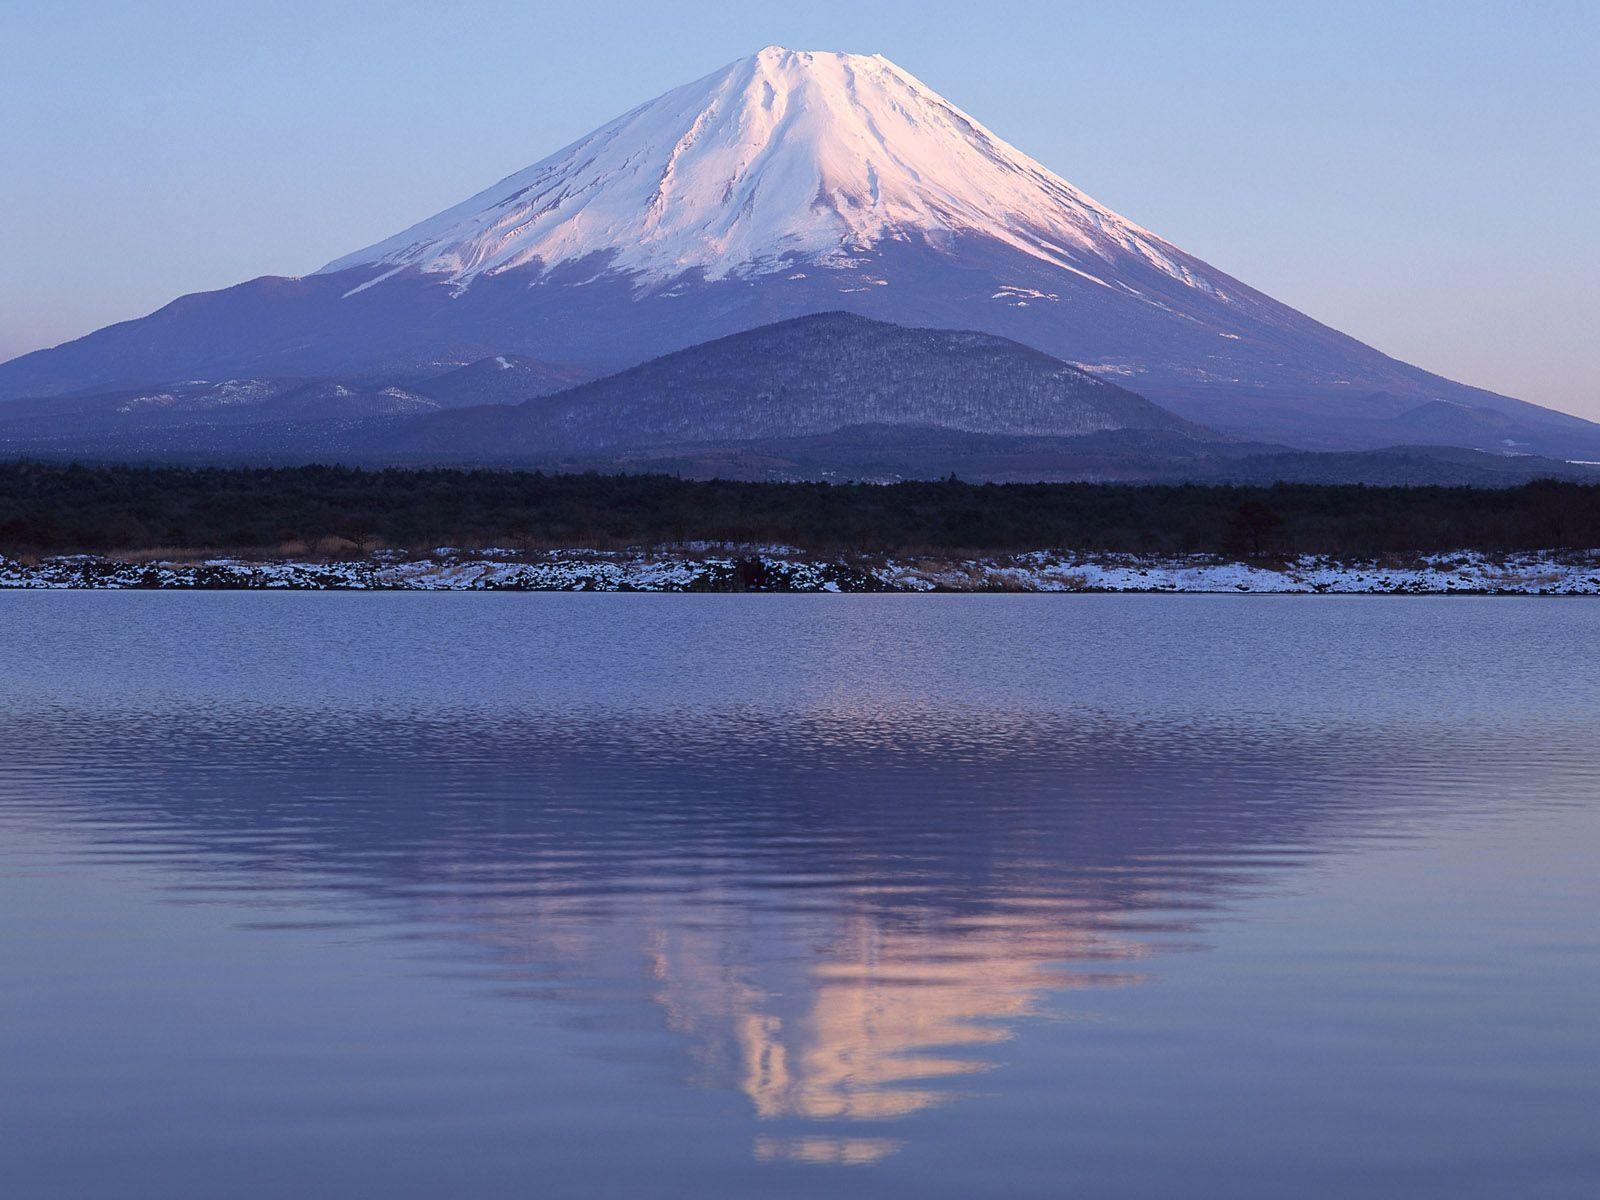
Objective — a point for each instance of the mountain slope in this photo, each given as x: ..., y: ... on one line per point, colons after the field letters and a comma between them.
x: 780, y: 156
x: 246, y: 415
x: 498, y: 379
x: 829, y: 397
x: 784, y: 184
x: 798, y: 378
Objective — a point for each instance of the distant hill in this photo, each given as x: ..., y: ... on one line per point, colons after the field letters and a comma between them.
x: 832, y: 396
x: 799, y: 378
x: 266, y: 419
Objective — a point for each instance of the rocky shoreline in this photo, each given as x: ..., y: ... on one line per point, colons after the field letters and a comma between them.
x: 766, y: 569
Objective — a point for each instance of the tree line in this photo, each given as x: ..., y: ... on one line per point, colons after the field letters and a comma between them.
x: 56, y: 508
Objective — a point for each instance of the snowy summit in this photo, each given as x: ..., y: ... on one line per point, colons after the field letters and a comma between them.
x: 781, y: 156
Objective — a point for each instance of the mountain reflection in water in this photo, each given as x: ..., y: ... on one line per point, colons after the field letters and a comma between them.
x: 827, y: 863
x: 840, y: 912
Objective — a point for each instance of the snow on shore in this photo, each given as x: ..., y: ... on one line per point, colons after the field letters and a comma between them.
x: 767, y: 569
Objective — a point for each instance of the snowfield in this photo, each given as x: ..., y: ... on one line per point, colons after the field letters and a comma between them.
x: 781, y: 157
x: 769, y: 569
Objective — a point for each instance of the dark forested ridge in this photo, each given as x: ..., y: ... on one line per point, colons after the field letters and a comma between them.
x: 804, y: 377
x: 54, y: 508
x: 829, y: 397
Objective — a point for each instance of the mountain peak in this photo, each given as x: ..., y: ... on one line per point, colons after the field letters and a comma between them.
x: 776, y: 54
x: 781, y: 158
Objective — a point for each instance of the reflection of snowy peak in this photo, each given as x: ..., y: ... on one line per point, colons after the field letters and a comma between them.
x: 782, y: 156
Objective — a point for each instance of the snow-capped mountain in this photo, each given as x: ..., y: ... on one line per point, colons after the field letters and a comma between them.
x: 785, y: 184
x: 781, y: 157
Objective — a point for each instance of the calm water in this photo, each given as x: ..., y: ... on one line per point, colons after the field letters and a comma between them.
x: 633, y: 896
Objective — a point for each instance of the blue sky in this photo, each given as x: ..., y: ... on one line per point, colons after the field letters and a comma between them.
x: 1423, y: 175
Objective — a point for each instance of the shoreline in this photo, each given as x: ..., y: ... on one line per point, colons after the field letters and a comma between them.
x: 779, y: 569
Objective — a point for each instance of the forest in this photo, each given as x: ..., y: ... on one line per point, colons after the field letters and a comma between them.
x: 48, y: 508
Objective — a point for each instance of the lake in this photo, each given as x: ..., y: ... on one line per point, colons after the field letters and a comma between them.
x: 323, y: 895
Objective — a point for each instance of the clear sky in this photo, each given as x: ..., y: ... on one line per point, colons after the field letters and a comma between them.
x: 1424, y: 175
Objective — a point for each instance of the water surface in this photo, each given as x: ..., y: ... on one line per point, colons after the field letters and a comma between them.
x: 656, y: 896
